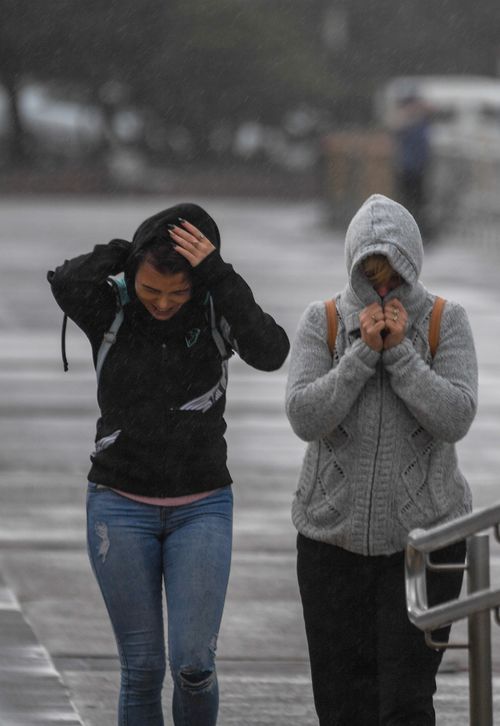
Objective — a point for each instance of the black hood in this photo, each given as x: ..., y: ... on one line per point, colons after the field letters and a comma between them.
x: 156, y: 227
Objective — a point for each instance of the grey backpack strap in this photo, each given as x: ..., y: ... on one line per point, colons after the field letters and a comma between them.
x: 109, y: 337
x: 107, y: 341
x: 209, y: 398
x: 216, y: 335
x: 120, y: 286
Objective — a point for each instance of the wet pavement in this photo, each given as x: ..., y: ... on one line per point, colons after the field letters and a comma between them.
x: 52, y: 620
x: 31, y: 689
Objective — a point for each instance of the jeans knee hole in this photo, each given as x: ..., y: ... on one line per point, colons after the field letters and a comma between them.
x: 195, y: 681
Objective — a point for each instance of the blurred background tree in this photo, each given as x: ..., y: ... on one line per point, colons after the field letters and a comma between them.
x: 190, y: 81
x: 192, y: 68
x: 85, y: 50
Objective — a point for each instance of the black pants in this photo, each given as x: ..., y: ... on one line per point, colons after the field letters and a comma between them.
x: 370, y: 666
x: 412, y: 195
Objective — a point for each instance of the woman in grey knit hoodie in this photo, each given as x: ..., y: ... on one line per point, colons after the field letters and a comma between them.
x: 381, y: 419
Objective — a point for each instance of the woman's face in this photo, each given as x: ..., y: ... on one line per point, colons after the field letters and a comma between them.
x: 392, y: 283
x: 162, y: 293
x: 382, y: 277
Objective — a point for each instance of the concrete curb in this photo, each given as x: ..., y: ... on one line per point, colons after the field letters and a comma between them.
x: 31, y: 689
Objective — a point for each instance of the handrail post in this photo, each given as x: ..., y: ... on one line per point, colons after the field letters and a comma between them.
x: 480, y: 688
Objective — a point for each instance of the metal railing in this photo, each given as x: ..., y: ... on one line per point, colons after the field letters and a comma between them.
x: 475, y: 606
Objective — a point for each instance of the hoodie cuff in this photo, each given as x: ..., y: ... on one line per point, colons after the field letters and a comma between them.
x: 212, y: 268
x: 393, y: 355
x: 366, y: 354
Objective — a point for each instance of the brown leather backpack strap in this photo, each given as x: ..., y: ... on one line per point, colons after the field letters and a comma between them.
x: 435, y: 324
x: 331, y: 321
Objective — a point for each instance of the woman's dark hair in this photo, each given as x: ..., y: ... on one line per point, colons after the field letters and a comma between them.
x: 160, y: 253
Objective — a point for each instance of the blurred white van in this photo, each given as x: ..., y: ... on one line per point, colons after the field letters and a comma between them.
x: 464, y: 111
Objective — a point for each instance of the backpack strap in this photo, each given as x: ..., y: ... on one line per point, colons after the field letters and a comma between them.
x: 435, y: 324
x: 120, y: 286
x: 63, y: 343
x: 108, y: 339
x: 216, y: 334
x: 209, y: 398
x: 331, y: 322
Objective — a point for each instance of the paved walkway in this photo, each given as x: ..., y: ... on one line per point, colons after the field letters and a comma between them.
x: 52, y: 619
x: 31, y: 689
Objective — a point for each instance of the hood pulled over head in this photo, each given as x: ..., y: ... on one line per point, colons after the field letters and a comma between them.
x: 155, y: 228
x: 382, y: 227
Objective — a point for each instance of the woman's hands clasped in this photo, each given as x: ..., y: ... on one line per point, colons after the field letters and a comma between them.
x: 190, y: 242
x: 383, y: 327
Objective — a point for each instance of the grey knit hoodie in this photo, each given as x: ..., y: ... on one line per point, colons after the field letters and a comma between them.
x: 381, y: 427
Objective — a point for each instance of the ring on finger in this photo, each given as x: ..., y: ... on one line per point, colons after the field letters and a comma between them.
x: 199, y: 237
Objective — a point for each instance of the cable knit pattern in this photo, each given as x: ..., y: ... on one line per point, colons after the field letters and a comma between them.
x: 381, y: 427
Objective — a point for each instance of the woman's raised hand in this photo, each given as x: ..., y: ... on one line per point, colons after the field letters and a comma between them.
x: 372, y: 323
x: 383, y: 327
x: 190, y: 242
x: 396, y: 319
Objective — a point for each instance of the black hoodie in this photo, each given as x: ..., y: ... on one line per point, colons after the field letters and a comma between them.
x: 152, y: 438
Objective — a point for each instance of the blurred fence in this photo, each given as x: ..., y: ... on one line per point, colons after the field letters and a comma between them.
x: 468, y: 193
x: 463, y: 185
x: 355, y: 165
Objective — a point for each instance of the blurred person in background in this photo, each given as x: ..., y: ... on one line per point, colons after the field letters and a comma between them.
x: 412, y: 157
x: 381, y: 418
x: 159, y: 502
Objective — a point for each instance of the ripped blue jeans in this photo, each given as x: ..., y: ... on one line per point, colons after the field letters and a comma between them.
x: 134, y: 548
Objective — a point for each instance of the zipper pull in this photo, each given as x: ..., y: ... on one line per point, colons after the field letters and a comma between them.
x: 164, y: 352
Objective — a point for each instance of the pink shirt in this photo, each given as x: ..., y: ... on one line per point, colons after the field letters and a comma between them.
x: 167, y: 501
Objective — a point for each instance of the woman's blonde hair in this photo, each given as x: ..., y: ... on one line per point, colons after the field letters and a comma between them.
x: 377, y: 269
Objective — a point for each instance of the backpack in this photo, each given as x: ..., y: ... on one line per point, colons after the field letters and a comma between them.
x: 434, y: 324
x: 122, y: 298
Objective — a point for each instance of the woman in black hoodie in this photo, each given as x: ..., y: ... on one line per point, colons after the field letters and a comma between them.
x: 159, y: 500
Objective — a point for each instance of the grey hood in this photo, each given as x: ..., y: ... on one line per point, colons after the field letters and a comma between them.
x: 382, y: 227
